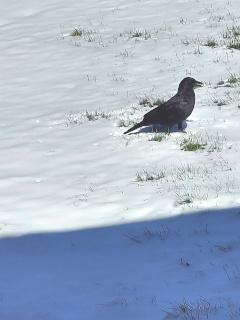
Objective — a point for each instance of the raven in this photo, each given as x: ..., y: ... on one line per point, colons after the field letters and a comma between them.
x: 175, y: 110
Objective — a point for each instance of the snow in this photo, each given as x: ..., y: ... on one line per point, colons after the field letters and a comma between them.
x: 81, y: 236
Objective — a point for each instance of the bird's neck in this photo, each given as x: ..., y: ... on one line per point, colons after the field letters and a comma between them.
x: 187, y: 93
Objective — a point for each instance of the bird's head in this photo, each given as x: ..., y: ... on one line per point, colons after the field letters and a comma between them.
x: 189, y: 83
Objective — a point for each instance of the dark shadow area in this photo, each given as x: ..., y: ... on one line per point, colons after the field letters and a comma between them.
x: 128, y: 271
x: 159, y: 128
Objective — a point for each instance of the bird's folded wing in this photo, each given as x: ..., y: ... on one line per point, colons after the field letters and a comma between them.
x: 174, y: 108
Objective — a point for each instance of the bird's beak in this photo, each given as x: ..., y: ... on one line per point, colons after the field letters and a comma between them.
x: 199, y: 84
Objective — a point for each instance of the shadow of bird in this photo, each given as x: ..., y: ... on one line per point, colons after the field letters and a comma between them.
x: 175, y: 110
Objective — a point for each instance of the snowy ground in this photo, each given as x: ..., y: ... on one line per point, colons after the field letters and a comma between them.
x: 98, y: 225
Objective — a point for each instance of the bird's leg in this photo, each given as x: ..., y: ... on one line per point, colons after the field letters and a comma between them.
x: 180, y: 127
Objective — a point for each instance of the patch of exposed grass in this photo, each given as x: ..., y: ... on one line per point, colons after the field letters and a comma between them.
x: 157, y: 137
x: 84, y: 116
x: 76, y: 33
x: 212, y: 43
x: 220, y: 83
x: 186, y: 195
x: 184, y: 200
x: 189, y: 183
x: 233, y: 79
x: 220, y: 102
x: 192, y: 311
x: 192, y: 143
x: 144, y: 102
x: 137, y: 34
x: 204, y: 142
x: 126, y: 122
x: 161, y: 233
x: 158, y: 102
x: 191, y: 146
x: 234, y: 43
x: 149, y: 102
x: 146, y: 176
x: 232, y: 34
x: 85, y: 34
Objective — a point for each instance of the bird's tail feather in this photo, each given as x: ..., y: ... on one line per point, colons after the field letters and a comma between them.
x: 136, y: 126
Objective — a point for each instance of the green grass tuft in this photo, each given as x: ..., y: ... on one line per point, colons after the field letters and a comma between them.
x: 157, y: 137
x: 144, y: 102
x: 211, y: 43
x: 233, y: 37
x: 76, y: 33
x: 146, y: 176
x: 200, y: 142
x: 192, y: 144
x: 233, y: 79
x: 187, y: 200
x: 137, y: 34
x: 158, y: 102
x: 219, y: 102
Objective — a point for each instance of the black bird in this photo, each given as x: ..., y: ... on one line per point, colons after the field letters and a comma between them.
x: 175, y: 110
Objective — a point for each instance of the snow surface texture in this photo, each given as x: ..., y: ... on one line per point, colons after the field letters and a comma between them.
x: 98, y: 225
